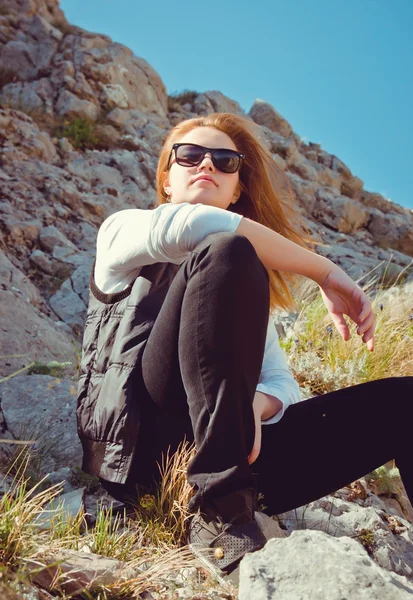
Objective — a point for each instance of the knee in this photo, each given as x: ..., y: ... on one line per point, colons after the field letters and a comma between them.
x: 236, y: 249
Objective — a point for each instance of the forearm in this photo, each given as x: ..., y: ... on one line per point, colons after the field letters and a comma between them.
x: 268, y: 406
x: 277, y: 252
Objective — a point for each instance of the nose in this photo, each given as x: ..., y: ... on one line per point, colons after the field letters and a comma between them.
x: 206, y: 162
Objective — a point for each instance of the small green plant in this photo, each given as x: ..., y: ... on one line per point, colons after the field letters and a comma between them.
x: 386, y: 480
x: 366, y: 538
x: 52, y: 368
x: 80, y: 132
x: 79, y: 478
x: 113, y: 536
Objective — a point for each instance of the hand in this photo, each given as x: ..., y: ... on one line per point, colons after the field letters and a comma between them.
x: 264, y: 406
x: 342, y: 295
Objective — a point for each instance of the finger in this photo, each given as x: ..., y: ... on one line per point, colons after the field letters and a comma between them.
x: 366, y: 308
x: 370, y: 344
x: 367, y: 324
x: 341, y: 326
x: 369, y: 333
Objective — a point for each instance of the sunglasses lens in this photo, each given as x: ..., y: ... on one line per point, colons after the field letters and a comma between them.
x: 226, y: 161
x: 188, y: 155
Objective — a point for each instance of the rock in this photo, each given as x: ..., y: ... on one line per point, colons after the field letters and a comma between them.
x: 316, y: 566
x: 65, y: 507
x: 16, y: 55
x: 24, y: 138
x: 265, y: 114
x: 70, y: 301
x: 113, y: 95
x: 391, y: 231
x: 338, y: 212
x: 51, y: 236
x: 202, y: 105
x: 70, y: 106
x: 42, y: 261
x: 351, y: 186
x: 79, y: 570
x: 6, y: 482
x: 27, y: 333
x: 339, y: 517
x: 44, y: 408
x: 384, y: 205
x: 300, y: 165
x: 221, y: 103
x: 62, y: 475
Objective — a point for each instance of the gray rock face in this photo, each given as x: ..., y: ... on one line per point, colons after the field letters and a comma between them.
x: 27, y: 333
x: 316, y: 566
x: 390, y: 543
x: 70, y: 106
x: 43, y: 408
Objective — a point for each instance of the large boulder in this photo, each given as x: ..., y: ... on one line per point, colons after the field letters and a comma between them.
x: 317, y: 566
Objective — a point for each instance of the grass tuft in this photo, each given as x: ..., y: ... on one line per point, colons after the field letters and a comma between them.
x: 176, y: 100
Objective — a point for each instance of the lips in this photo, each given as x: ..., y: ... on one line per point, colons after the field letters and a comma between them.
x: 204, y: 178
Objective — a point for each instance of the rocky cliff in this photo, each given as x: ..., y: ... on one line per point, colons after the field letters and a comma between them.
x: 82, y: 121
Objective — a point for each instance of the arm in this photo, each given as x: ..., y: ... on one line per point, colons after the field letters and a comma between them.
x: 132, y: 238
x: 341, y: 295
x: 277, y: 252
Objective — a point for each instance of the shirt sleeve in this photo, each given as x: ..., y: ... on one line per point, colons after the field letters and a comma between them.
x: 276, y: 378
x: 132, y: 238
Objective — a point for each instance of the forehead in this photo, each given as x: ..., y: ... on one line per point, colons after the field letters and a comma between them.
x: 210, y: 137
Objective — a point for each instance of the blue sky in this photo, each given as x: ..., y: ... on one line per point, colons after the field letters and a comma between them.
x: 341, y: 72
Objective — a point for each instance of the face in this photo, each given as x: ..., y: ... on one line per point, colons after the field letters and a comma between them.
x: 179, y: 181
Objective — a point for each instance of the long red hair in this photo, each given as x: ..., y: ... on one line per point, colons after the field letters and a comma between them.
x: 266, y: 195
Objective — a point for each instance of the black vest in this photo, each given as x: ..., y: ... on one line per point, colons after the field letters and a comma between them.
x: 116, y: 330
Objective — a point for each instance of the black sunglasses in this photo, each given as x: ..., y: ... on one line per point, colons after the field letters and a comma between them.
x: 191, y: 155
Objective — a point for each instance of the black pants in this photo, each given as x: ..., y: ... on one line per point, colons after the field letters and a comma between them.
x: 200, y: 369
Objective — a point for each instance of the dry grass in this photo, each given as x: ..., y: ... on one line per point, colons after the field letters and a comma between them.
x: 165, y: 513
x: 152, y: 542
x: 322, y: 362
x: 176, y: 100
x: 19, y: 508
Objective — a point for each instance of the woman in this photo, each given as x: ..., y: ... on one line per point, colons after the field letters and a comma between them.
x: 178, y: 331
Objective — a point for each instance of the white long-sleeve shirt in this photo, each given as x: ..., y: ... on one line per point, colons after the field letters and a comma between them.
x: 132, y: 238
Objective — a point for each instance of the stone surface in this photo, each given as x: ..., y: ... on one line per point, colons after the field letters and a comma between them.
x: 28, y: 334
x: 78, y: 570
x: 42, y: 408
x: 66, y: 506
x: 265, y: 114
x: 316, y: 566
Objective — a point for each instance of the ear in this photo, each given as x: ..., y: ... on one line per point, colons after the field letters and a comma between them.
x: 165, y: 184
